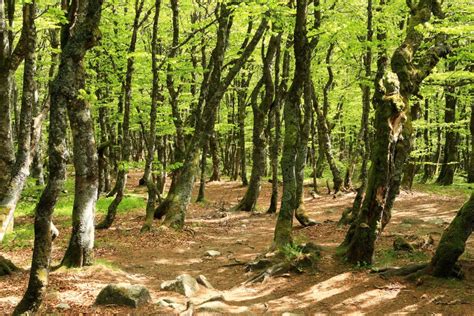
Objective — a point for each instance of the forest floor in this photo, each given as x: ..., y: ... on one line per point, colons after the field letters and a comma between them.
x: 125, y: 255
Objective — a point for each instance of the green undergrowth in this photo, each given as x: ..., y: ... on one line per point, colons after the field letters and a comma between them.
x: 23, y: 234
x: 389, y: 258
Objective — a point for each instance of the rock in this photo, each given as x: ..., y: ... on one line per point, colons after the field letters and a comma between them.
x: 201, y: 279
x: 123, y: 294
x: 212, y: 253
x: 167, y: 302
x: 63, y: 306
x: 400, y: 244
x: 183, y: 284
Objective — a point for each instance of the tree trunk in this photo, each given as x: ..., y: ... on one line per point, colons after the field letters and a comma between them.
x: 292, y: 117
x: 148, y: 176
x: 216, y: 161
x: 450, y: 156
x: 470, y: 173
x: 176, y: 204
x: 126, y: 145
x: 453, y: 242
x: 83, y: 30
x: 392, y: 92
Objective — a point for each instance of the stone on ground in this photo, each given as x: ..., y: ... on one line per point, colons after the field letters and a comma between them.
x: 202, y: 280
x: 123, y: 294
x: 212, y: 253
x: 183, y: 284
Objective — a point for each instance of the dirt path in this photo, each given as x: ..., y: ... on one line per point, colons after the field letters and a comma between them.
x: 125, y: 255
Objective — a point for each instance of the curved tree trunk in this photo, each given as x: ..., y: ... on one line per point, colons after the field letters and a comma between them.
x: 82, y: 36
x: 453, y: 242
x: 392, y: 92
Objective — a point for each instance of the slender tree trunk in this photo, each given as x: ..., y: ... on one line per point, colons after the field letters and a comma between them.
x: 126, y: 145
x: 176, y: 204
x: 292, y: 117
x: 216, y: 161
x: 450, y: 156
x: 83, y: 28
x: 151, y: 186
x: 470, y: 173
x: 21, y: 168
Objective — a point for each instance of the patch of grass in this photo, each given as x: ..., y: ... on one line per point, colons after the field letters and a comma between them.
x: 22, y: 237
x: 106, y: 263
x: 129, y: 202
x: 459, y: 188
x: 390, y: 257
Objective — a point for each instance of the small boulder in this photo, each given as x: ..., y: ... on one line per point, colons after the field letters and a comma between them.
x: 123, y: 294
x: 212, y: 253
x: 183, y: 284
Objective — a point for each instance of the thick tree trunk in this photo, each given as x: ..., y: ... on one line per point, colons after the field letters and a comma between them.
x: 83, y: 28
x: 453, y: 242
x: 392, y: 92
x: 72, y: 73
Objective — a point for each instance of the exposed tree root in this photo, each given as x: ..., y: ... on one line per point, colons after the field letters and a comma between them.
x: 7, y: 267
x: 414, y: 272
x: 291, y: 259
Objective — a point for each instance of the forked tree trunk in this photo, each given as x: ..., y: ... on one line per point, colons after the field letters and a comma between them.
x: 392, y: 93
x: 83, y: 28
x: 72, y: 73
x: 175, y: 205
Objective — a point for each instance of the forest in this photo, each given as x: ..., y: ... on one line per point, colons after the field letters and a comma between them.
x: 251, y: 157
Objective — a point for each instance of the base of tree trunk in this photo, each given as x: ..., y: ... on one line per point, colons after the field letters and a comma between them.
x: 7, y: 267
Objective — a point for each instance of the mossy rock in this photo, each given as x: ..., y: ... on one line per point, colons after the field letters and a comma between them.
x: 124, y: 295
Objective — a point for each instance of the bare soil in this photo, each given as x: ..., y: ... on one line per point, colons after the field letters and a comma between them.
x: 125, y: 255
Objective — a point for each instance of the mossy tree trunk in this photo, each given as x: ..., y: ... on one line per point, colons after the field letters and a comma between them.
x: 453, y: 242
x: 292, y: 117
x: 260, y: 114
x: 175, y: 205
x: 78, y: 35
x: 391, y: 100
x: 72, y: 70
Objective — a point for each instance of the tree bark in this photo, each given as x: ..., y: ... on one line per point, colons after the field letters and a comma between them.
x: 470, y: 173
x: 453, y: 242
x: 292, y: 116
x: 151, y: 186
x: 126, y: 145
x: 450, y: 156
x: 392, y: 92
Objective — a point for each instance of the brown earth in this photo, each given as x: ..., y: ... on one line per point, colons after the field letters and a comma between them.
x: 125, y: 255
